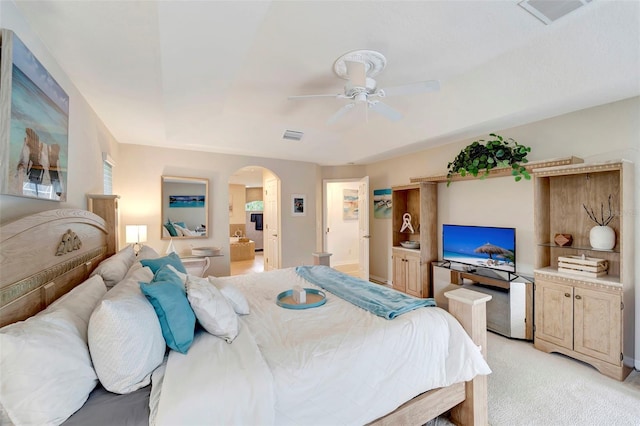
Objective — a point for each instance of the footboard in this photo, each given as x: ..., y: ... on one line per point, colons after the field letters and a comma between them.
x: 469, y: 308
x: 467, y: 401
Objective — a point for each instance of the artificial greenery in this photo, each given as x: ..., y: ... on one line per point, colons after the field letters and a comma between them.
x: 486, y: 155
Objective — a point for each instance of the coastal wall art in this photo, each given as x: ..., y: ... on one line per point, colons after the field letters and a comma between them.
x: 349, y: 204
x: 186, y: 201
x: 382, y: 203
x: 34, y: 125
x: 298, y: 206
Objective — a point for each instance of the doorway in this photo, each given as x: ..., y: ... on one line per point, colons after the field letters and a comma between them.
x: 346, y: 225
x: 252, y: 221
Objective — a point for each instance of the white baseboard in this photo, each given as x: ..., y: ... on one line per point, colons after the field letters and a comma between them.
x: 380, y: 280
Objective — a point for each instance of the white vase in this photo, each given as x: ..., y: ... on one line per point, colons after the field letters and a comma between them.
x: 602, y: 237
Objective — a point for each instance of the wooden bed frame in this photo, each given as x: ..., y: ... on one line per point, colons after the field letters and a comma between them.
x: 39, y: 262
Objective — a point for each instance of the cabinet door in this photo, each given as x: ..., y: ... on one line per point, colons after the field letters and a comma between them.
x: 554, y: 313
x: 414, y: 275
x: 399, y: 273
x: 597, y: 324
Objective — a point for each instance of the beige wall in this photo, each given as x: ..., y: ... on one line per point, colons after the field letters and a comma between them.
x: 88, y: 137
x: 137, y: 181
x: 253, y: 194
x: 607, y: 132
x: 237, y: 197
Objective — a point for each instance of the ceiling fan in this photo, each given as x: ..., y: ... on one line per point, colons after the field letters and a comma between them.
x: 358, y: 68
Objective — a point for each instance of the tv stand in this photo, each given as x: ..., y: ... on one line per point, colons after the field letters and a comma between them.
x: 510, y: 311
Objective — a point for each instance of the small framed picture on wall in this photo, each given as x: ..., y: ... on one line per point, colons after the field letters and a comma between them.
x: 298, y: 204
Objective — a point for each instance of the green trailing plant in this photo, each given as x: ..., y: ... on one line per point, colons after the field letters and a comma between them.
x: 481, y: 156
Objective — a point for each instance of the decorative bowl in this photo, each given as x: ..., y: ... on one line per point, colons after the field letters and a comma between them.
x: 410, y: 244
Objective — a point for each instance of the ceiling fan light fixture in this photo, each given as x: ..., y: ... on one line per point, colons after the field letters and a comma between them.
x: 373, y: 61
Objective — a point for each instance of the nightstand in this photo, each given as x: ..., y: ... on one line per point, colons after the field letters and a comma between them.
x: 196, y: 265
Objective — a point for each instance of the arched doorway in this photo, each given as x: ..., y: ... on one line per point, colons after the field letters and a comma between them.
x: 254, y: 244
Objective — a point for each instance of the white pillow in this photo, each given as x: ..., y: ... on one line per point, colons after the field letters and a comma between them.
x: 233, y: 294
x: 45, y: 364
x: 114, y: 268
x: 147, y: 252
x: 184, y: 232
x: 212, y: 309
x: 125, y: 338
x: 80, y: 301
x: 229, y: 291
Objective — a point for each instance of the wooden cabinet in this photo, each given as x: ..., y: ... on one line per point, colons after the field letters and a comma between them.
x: 407, y: 272
x: 411, y: 266
x: 581, y: 322
x: 106, y: 206
x: 578, y: 315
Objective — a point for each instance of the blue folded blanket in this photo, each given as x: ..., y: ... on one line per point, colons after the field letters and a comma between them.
x: 377, y: 299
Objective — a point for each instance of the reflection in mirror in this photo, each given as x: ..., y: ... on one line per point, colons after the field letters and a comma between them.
x: 184, y: 207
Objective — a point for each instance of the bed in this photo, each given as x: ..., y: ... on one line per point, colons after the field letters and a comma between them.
x: 282, y: 366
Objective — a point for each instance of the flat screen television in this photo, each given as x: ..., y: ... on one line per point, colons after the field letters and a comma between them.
x: 480, y: 246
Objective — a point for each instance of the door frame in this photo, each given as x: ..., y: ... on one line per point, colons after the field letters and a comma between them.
x: 325, y: 208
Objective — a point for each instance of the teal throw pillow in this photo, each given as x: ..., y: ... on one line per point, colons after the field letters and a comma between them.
x: 157, y: 263
x: 171, y: 229
x: 169, y: 299
x: 182, y: 224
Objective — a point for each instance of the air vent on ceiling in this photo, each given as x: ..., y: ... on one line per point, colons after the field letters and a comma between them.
x: 292, y: 135
x: 551, y: 10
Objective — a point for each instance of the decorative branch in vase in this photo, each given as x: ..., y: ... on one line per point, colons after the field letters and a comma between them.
x: 601, y: 236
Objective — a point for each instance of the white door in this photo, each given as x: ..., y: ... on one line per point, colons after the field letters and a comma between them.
x: 363, y: 227
x: 272, y: 239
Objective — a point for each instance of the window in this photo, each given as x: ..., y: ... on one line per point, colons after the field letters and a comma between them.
x: 254, y: 206
x: 107, y: 173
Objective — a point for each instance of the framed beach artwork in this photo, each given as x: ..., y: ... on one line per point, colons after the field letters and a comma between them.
x: 298, y: 204
x: 186, y: 201
x: 382, y: 203
x: 34, y: 125
x: 349, y: 204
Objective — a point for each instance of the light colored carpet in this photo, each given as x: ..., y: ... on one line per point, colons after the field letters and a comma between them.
x: 531, y: 387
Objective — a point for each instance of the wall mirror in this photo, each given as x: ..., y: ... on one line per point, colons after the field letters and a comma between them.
x: 185, y: 206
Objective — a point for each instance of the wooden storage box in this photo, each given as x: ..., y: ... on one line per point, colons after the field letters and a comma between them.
x: 582, y: 265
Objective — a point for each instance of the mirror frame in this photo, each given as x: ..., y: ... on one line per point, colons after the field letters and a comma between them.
x: 182, y: 179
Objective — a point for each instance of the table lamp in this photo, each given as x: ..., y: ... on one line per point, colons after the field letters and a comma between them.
x: 136, y: 235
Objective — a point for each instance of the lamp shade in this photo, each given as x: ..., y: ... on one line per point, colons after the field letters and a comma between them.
x: 136, y: 234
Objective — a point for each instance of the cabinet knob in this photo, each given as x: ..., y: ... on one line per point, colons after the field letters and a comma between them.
x: 567, y: 295
x: 578, y: 297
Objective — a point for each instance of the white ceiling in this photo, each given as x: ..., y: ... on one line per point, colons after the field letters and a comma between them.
x: 215, y: 75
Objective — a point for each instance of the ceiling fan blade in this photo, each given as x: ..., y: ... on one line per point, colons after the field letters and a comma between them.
x: 338, y: 95
x: 357, y: 73
x: 385, y: 110
x: 342, y: 111
x: 413, y: 88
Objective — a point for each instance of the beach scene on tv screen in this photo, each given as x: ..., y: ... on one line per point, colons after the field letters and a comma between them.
x: 480, y: 246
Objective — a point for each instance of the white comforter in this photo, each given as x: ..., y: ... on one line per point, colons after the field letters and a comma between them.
x: 335, y: 364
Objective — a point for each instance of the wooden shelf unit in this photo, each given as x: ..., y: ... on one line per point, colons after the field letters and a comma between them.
x: 502, y: 171
x: 411, y: 268
x: 590, y: 319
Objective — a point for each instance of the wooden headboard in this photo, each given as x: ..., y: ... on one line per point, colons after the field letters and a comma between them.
x: 44, y: 255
